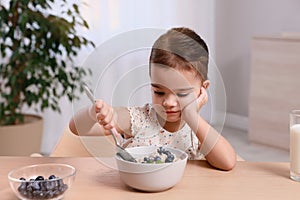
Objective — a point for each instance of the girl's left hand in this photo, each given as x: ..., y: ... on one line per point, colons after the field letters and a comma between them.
x: 194, y: 105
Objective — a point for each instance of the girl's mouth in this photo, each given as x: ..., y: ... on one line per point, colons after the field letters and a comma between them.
x: 172, y: 112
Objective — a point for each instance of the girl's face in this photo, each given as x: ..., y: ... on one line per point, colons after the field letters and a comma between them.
x: 172, y: 90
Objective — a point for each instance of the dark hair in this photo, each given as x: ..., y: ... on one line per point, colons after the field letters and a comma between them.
x: 183, y: 49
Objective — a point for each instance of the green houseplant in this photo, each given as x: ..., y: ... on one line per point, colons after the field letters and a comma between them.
x: 37, y: 51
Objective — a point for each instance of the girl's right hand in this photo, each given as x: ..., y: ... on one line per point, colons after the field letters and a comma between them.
x: 104, y: 113
x: 195, y: 104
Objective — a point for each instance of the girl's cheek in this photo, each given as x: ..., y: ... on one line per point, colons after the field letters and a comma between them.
x: 187, y: 100
x: 159, y: 109
x: 156, y: 98
x: 182, y: 102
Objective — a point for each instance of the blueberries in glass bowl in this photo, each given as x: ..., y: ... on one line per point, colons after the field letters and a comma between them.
x: 41, y: 188
x: 42, y: 181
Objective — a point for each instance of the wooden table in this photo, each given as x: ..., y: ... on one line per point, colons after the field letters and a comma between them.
x: 248, y: 180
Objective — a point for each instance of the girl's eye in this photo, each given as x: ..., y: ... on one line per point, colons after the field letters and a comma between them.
x: 182, y: 94
x: 159, y: 93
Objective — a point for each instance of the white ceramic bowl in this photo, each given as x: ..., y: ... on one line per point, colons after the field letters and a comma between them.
x: 49, y: 188
x: 151, y: 177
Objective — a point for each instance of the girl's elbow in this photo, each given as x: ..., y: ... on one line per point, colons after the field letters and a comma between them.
x: 72, y: 127
x: 229, y: 165
x: 226, y: 164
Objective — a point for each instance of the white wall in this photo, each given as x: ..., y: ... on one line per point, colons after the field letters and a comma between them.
x: 236, y: 22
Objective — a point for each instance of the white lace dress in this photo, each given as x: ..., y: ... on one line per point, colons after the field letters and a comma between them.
x: 146, y: 131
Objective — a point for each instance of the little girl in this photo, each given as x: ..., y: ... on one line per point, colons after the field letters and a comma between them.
x: 178, y: 69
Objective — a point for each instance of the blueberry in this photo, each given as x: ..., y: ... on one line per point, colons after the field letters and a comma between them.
x: 169, y: 160
x: 29, y: 187
x: 29, y: 195
x: 49, y: 194
x: 24, y: 193
x: 39, y: 178
x: 160, y: 150
x: 63, y: 188
x: 50, y: 185
x: 146, y: 159
x: 22, y: 186
x: 35, y: 186
x: 38, y: 194
x: 60, y: 182
x: 56, y: 193
x: 171, y: 156
x: 43, y: 185
x: 157, y: 158
x: 52, y: 177
x: 167, y: 153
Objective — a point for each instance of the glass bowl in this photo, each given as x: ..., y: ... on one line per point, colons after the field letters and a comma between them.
x: 42, y: 181
x: 151, y: 177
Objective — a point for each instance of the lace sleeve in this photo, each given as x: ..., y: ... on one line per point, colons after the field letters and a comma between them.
x: 139, y: 118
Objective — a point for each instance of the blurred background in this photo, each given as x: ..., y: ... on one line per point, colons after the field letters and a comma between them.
x: 227, y: 26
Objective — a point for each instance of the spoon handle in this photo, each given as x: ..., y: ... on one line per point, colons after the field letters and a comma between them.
x: 89, y: 93
x: 114, y: 133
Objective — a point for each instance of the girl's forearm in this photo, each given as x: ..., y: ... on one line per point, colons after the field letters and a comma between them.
x: 84, y: 123
x: 218, y: 152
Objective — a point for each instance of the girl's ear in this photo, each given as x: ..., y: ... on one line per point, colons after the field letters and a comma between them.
x: 206, y: 84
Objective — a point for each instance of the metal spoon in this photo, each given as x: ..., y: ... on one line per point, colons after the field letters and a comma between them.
x: 121, y: 152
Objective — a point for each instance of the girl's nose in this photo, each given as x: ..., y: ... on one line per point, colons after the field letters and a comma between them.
x: 170, y: 101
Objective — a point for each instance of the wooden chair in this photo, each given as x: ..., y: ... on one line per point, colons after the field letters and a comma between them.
x: 71, y: 145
